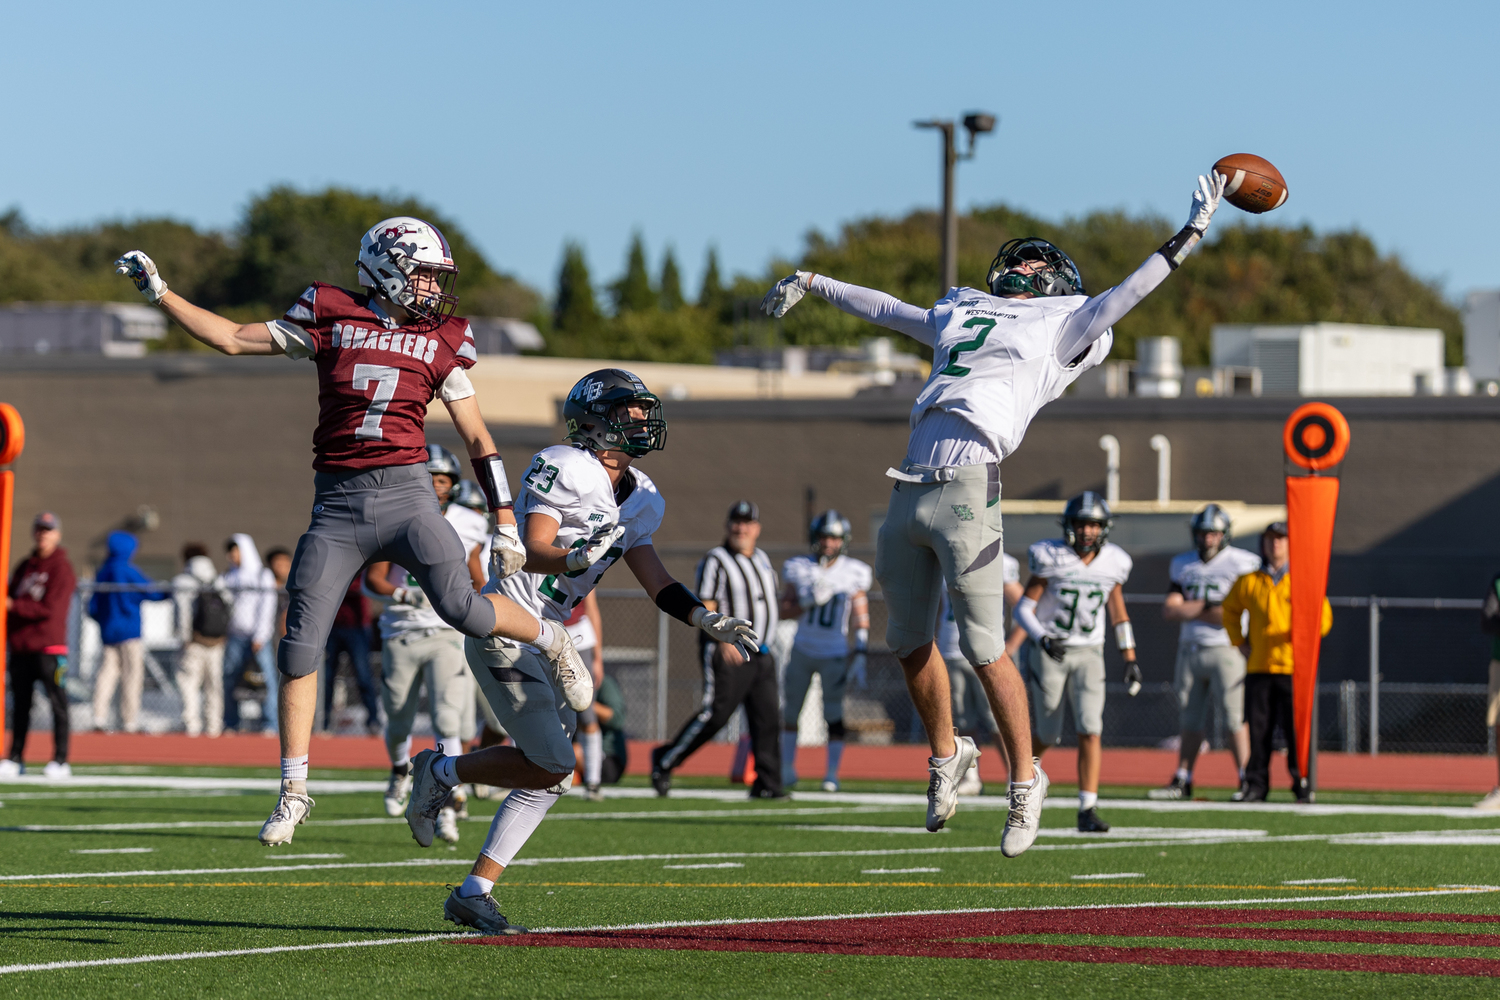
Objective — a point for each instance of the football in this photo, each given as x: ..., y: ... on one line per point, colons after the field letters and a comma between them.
x: 1254, y: 184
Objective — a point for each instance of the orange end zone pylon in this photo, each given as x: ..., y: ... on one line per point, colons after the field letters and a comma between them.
x: 12, y: 440
x: 1315, y: 438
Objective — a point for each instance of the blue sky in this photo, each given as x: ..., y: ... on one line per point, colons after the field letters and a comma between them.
x: 743, y: 126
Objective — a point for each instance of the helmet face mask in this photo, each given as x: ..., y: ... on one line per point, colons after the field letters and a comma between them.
x: 408, y: 262
x: 1088, y: 508
x: 1030, y: 266
x: 828, y: 525
x: 599, y: 414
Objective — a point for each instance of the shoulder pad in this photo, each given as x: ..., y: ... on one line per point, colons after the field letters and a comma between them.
x: 1049, y: 555
x: 1179, y: 564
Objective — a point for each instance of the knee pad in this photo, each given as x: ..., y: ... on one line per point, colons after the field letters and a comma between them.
x: 836, y: 729
x: 296, y: 659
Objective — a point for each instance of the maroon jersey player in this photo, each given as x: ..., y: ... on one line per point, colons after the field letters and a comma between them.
x: 381, y: 358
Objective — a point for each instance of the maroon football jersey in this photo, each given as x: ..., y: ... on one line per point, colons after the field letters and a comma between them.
x: 374, y: 381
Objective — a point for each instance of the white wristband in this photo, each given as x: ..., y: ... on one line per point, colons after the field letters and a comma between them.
x: 1124, y: 636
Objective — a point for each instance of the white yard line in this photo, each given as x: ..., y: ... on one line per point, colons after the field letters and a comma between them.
x: 1089, y: 878
x: 177, y: 782
x: 727, y: 922
x: 118, y: 850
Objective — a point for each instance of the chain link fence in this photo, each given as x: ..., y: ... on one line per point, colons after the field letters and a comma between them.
x: 657, y: 663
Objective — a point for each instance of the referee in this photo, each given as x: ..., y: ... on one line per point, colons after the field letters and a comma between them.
x: 736, y: 579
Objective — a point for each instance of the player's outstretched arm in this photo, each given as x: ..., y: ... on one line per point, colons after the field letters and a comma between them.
x: 866, y: 303
x: 223, y: 335
x: 679, y: 602
x: 1106, y: 309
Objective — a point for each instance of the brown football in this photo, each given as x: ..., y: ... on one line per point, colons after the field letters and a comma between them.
x: 1254, y: 184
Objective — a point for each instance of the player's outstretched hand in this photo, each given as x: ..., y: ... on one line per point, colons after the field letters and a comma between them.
x: 410, y: 596
x: 858, y: 664
x: 786, y: 293
x: 507, y: 554
x: 1053, y: 647
x: 142, y: 270
x: 584, y: 556
x: 1206, y: 200
x: 1133, y: 678
x: 722, y: 628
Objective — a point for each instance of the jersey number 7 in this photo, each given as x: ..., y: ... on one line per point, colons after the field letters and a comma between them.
x: 385, y: 378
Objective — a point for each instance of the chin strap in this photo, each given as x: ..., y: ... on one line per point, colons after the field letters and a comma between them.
x: 490, y: 471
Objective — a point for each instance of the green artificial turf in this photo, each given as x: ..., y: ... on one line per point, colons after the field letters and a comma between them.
x: 84, y: 907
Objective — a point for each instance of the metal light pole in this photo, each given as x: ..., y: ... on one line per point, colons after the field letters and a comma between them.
x: 975, y: 124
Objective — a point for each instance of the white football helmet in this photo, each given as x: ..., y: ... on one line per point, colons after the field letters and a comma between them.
x: 392, y: 254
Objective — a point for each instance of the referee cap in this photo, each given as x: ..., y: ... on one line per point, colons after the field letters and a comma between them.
x: 744, y: 510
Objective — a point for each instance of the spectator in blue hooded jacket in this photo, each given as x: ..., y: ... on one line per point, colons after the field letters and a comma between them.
x: 116, y: 606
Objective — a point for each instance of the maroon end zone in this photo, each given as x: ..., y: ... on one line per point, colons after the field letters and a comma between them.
x: 952, y: 936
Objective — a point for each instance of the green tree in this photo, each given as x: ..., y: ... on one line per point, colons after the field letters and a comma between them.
x: 711, y: 297
x: 671, y: 283
x: 632, y: 291
x: 575, y: 314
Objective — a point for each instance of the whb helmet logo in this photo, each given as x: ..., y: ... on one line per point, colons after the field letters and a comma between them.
x: 389, y: 237
x: 591, y: 390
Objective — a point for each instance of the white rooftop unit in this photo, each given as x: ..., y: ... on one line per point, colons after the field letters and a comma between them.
x: 1335, y: 359
x: 1482, y: 335
x: 114, y: 329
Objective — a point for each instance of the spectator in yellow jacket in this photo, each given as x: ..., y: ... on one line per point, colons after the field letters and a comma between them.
x: 1265, y: 597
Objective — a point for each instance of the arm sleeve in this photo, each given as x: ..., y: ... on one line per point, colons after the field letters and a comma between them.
x: 878, y: 308
x: 1025, y: 616
x: 1102, y: 311
x: 456, y: 386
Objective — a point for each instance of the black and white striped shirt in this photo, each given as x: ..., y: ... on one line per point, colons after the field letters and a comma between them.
x: 743, y: 587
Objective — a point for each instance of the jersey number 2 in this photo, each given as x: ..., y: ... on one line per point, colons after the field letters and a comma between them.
x: 982, y: 326
x: 385, y: 379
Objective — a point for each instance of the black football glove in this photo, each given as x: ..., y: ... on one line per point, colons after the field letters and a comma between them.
x: 1053, y: 647
x: 1132, y: 678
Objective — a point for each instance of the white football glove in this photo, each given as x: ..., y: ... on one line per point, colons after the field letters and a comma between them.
x: 410, y: 596
x: 786, y: 293
x: 1206, y: 200
x: 142, y: 270
x: 722, y: 628
x: 507, y: 554
x: 584, y: 556
x: 856, y: 673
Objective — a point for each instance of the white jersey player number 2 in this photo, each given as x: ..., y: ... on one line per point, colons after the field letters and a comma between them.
x: 385, y: 378
x: 983, y: 325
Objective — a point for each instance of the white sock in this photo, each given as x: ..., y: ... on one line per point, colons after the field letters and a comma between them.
x: 544, y: 635
x: 593, y: 757
x: 835, y: 758
x: 446, y: 771
x: 1023, y: 784
x: 1183, y: 774
x: 475, y: 886
x: 1088, y: 800
x: 450, y: 746
x: 400, y: 751
x: 520, y: 814
x: 943, y: 760
x: 788, y: 753
x: 294, y: 768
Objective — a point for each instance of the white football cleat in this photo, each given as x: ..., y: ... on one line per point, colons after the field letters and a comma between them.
x: 57, y: 770
x: 1490, y: 801
x: 447, y: 824
x: 396, y: 793
x: 569, y: 675
x: 970, y: 784
x: 428, y: 796
x: 478, y: 912
x: 290, y: 812
x: 11, y: 769
x: 830, y: 784
x: 1025, y: 817
x: 942, y: 783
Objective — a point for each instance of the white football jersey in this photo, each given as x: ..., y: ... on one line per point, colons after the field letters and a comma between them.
x: 568, y: 483
x: 947, y: 633
x: 823, y: 630
x: 1209, y: 581
x: 473, y: 529
x: 1072, y: 606
x: 994, y: 361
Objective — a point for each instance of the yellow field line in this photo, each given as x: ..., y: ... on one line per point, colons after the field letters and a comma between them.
x: 734, y: 885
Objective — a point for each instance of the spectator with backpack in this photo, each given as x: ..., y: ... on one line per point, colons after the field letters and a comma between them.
x: 203, y: 608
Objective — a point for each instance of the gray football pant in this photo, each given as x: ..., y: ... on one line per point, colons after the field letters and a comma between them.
x: 375, y: 515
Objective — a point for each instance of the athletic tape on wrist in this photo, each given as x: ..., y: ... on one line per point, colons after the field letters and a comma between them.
x: 490, y: 471
x: 1178, y: 247
x: 677, y: 601
x: 1124, y: 636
